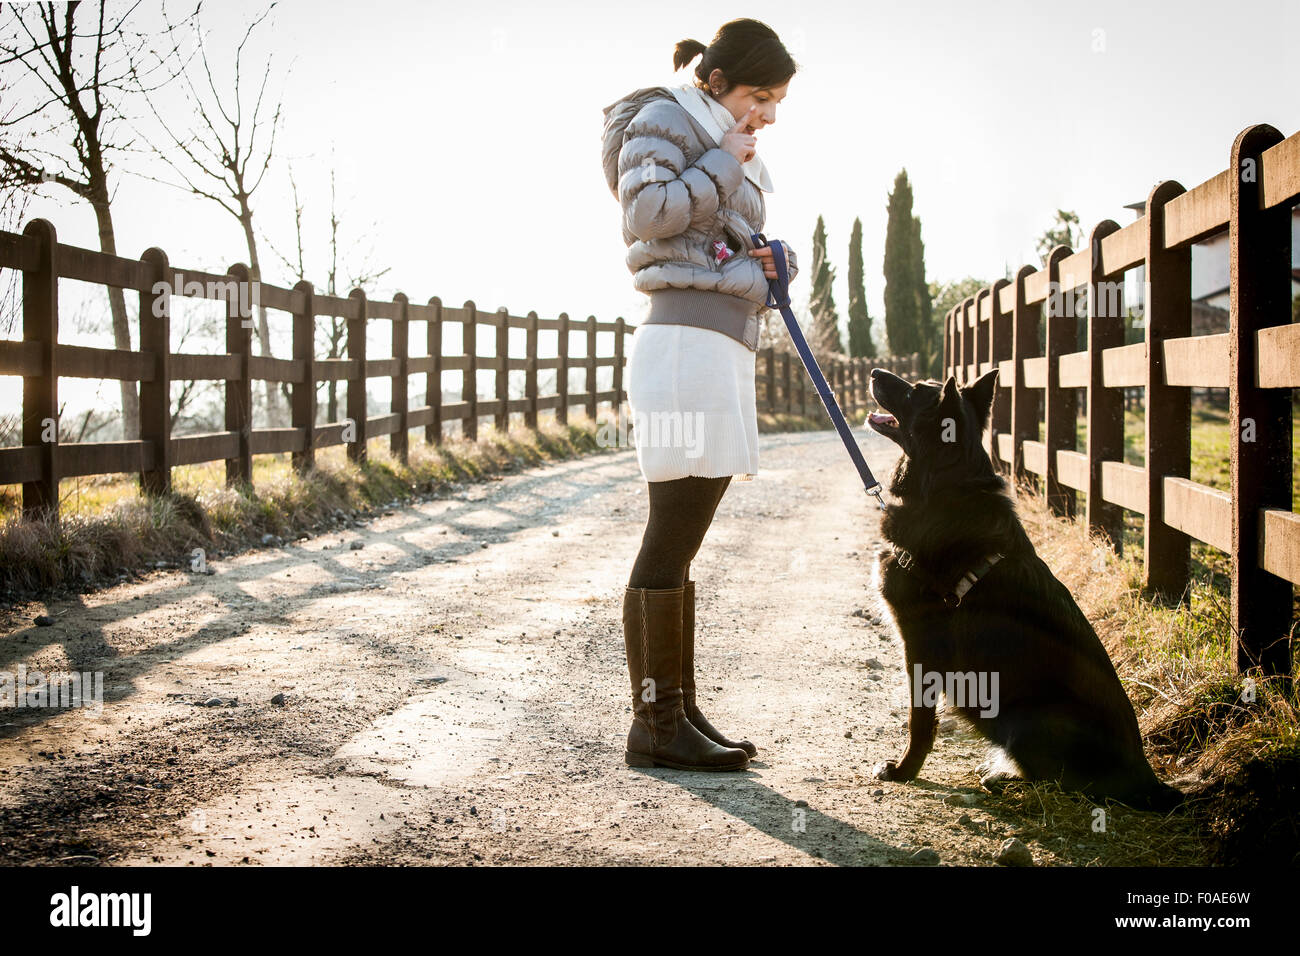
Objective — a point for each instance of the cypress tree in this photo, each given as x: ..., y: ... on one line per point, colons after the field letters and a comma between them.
x: 927, y: 334
x: 902, y: 306
x: 825, y: 338
x: 860, y: 344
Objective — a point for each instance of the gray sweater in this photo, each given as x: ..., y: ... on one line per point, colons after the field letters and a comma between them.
x: 680, y: 193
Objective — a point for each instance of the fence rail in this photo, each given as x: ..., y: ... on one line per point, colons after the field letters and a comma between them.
x: 1257, y: 360
x: 40, y: 462
x: 783, y: 386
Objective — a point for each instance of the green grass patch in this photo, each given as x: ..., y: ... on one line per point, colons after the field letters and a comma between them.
x: 1210, y: 462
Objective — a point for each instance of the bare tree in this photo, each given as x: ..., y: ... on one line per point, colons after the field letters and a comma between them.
x: 71, y: 124
x: 219, y: 157
x: 13, y: 206
x: 363, y: 275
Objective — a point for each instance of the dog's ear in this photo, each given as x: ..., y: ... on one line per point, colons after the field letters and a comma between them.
x: 980, y: 395
x: 949, y: 397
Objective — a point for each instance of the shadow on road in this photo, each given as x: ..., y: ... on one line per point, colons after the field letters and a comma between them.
x: 792, y: 821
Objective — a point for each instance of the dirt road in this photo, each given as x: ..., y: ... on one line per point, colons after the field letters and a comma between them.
x: 454, y: 692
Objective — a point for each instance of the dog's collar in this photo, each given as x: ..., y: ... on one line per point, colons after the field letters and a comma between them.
x: 951, y: 594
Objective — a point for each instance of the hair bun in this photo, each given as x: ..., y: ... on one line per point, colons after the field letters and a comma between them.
x: 685, y: 51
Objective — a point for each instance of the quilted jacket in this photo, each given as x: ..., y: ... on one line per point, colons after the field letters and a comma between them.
x: 679, y: 193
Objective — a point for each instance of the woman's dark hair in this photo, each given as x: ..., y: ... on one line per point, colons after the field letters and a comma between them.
x: 748, y: 53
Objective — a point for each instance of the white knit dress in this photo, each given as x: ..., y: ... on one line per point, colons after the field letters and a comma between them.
x: 691, y: 393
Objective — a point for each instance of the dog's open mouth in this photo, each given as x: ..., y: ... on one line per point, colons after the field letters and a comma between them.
x: 882, y: 422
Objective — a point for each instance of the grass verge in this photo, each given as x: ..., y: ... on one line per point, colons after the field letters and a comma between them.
x: 108, y: 530
x: 1231, y: 741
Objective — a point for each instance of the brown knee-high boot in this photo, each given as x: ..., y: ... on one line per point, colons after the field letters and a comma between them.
x: 688, y: 678
x: 661, y: 736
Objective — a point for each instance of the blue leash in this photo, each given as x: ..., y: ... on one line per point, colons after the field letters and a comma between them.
x: 779, y: 297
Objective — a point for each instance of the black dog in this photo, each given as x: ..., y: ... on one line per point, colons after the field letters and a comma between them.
x: 983, y: 618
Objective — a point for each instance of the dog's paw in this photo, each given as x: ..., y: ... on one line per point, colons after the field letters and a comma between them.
x: 996, y: 782
x: 888, y: 770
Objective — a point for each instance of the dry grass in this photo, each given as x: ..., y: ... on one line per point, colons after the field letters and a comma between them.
x: 108, y: 528
x: 1067, y: 826
x: 784, y: 422
x: 1236, y: 756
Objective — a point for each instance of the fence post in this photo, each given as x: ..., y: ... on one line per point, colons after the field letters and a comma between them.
x: 530, y: 372
x: 1105, y: 412
x: 357, y: 410
x: 1024, y: 403
x: 1260, y: 419
x: 239, y: 393
x: 591, y: 367
x: 1165, y: 550
x: 41, y: 392
x: 787, y: 399
x: 769, y: 360
x: 502, y: 417
x: 469, y: 380
x: 155, y: 395
x: 1060, y: 430
x: 947, y: 370
x: 618, y: 375
x: 399, y: 441
x: 983, y: 353
x: 959, y: 341
x: 433, y: 381
x: 562, y: 369
x: 982, y: 330
x: 303, y: 406
x: 999, y: 351
x: 968, y: 320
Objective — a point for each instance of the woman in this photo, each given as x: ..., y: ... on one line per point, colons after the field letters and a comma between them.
x: 682, y: 163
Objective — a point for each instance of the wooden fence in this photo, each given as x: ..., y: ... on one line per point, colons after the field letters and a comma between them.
x: 1257, y: 360
x: 41, y: 461
x: 782, y: 385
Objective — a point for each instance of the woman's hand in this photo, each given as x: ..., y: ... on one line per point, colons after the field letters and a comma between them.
x: 739, y: 143
x: 764, y: 254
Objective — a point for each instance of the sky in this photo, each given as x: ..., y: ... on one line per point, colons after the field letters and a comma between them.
x: 464, y: 137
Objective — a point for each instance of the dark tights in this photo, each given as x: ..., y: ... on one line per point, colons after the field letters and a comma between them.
x: 681, y: 511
